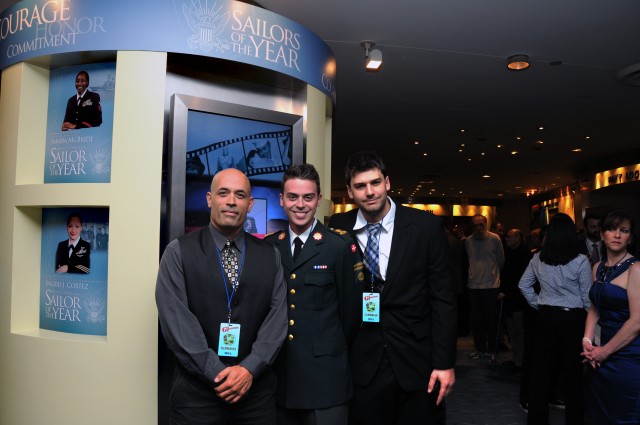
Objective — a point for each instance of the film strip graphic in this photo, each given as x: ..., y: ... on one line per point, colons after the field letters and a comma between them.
x: 255, y: 154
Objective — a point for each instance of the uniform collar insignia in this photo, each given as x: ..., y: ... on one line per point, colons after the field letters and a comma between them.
x: 317, y: 236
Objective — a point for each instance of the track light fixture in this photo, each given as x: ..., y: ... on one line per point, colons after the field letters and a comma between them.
x: 373, y: 60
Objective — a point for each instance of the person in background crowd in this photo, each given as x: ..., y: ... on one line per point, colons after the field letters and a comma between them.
x: 322, y: 268
x: 565, y: 278
x: 517, y: 258
x: 404, y: 353
x: 613, y: 385
x: 592, y: 245
x: 486, y: 258
x: 459, y: 267
x: 498, y: 229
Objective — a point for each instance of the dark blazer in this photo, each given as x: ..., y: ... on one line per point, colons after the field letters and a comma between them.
x: 418, y: 305
x: 79, y: 262
x: 583, y: 249
x: 515, y: 263
x: 87, y: 114
x: 324, y: 302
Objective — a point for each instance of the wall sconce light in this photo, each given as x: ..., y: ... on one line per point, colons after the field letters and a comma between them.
x: 518, y: 62
x: 373, y: 60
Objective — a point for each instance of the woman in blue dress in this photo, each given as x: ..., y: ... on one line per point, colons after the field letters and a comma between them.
x: 613, y: 386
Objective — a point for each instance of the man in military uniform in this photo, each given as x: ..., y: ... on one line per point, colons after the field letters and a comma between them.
x: 324, y: 277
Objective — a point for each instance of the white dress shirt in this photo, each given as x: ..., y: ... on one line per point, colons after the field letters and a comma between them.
x: 386, y: 234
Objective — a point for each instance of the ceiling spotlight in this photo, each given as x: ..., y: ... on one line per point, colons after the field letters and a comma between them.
x: 373, y: 57
x: 518, y: 62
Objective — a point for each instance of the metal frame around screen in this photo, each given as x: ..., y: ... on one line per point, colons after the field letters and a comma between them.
x: 178, y: 124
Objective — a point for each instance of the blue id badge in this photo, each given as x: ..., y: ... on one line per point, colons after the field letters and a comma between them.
x: 371, y: 307
x: 229, y: 340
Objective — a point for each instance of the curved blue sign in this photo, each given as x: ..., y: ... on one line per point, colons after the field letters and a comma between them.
x: 223, y: 29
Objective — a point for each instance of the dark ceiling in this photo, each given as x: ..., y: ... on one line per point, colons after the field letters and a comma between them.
x: 445, y: 71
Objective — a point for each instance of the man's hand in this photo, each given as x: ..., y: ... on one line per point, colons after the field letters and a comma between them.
x: 235, y: 382
x: 446, y: 378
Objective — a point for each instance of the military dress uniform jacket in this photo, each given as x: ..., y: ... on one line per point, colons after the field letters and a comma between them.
x: 87, y: 114
x: 324, y: 308
x: 80, y: 259
x: 418, y: 306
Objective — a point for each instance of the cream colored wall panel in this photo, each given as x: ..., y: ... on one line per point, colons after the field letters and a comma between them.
x: 55, y: 378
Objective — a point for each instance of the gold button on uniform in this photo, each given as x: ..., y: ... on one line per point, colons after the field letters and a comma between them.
x: 293, y: 276
x: 292, y: 306
x: 290, y: 337
x: 291, y: 322
x: 292, y: 291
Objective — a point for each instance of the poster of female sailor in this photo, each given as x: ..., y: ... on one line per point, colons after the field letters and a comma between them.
x: 80, y: 124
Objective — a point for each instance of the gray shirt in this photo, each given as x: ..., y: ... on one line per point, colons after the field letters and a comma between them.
x: 182, y: 330
x: 486, y: 258
x: 561, y: 286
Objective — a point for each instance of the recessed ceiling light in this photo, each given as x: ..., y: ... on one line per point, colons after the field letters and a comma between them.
x: 424, y: 154
x: 469, y: 159
x: 486, y: 176
x: 514, y: 152
x: 518, y: 138
x: 462, y: 130
x: 540, y: 142
x: 576, y: 150
x: 518, y: 62
x: 499, y: 146
x: 518, y: 187
x: 541, y: 128
x: 482, y: 153
x: 416, y: 143
x: 587, y: 137
x: 500, y: 195
x: 459, y: 150
x: 462, y: 145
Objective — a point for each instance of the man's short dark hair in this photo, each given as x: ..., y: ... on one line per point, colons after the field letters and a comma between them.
x: 590, y: 216
x: 303, y: 172
x: 363, y: 161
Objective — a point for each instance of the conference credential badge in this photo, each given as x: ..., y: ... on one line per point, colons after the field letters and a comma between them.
x: 371, y: 307
x: 229, y: 340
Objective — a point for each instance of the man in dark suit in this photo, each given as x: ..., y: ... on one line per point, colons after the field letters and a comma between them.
x: 221, y: 303
x: 322, y: 269
x: 592, y: 246
x: 403, y: 363
x: 83, y: 109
